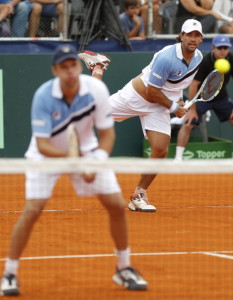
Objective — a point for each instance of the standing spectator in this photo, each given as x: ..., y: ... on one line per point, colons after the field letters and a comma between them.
x: 222, y: 105
x: 68, y: 89
x: 200, y: 10
x: 132, y: 23
x: 48, y: 8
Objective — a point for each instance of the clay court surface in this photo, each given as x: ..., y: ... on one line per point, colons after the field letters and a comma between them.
x: 184, y: 250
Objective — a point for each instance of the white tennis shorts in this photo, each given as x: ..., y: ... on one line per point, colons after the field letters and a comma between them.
x: 40, y: 185
x: 127, y: 103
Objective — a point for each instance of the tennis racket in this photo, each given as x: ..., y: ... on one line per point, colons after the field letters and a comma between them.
x: 72, y: 140
x: 209, y: 89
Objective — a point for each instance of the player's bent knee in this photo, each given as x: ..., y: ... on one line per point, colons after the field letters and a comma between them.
x: 114, y: 203
x: 117, y: 211
x: 159, y: 152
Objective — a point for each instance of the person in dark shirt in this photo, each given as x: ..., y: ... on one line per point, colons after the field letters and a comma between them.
x: 199, y: 10
x: 222, y: 105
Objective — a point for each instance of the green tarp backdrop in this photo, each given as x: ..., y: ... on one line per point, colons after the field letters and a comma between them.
x: 21, y: 75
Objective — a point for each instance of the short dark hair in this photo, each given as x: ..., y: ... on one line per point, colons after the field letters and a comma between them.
x: 178, y: 39
x: 128, y: 3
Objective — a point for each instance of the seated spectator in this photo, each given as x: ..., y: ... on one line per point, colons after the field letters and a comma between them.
x: 6, y: 10
x: 199, y: 10
x: 19, y: 17
x: 49, y: 8
x: 132, y: 23
x: 157, y: 19
x: 225, y: 9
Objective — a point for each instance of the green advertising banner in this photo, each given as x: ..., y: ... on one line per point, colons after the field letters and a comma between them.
x: 215, y: 148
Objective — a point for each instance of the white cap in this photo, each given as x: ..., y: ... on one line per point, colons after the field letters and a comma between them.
x: 191, y: 25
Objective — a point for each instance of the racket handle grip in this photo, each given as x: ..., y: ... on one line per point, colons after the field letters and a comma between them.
x: 187, y: 105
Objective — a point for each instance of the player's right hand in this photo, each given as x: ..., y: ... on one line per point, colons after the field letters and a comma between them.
x: 181, y: 111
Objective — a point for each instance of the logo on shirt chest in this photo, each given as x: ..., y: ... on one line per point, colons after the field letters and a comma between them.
x: 179, y: 73
x: 56, y: 115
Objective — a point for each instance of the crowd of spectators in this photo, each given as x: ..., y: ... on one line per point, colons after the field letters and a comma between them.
x: 38, y: 18
x: 23, y: 18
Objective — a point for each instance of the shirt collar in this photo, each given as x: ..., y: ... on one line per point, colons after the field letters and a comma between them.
x: 179, y: 51
x: 57, y: 92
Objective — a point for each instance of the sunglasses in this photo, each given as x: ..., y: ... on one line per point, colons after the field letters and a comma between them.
x: 222, y: 47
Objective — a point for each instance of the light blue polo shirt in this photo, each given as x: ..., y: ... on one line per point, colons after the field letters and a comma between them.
x: 51, y: 115
x: 169, y: 71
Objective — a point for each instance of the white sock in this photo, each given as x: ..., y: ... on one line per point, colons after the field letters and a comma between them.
x: 123, y: 258
x: 11, y: 266
x: 179, y: 152
x: 139, y: 190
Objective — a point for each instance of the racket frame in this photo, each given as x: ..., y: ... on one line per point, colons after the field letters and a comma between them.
x: 196, y: 99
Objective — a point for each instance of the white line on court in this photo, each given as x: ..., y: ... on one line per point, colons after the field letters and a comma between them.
x: 219, y: 255
x: 45, y: 210
x: 214, y: 253
x: 79, y: 209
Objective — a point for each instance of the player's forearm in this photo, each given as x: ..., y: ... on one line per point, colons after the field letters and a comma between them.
x: 47, y: 149
x: 106, y: 139
x: 154, y: 95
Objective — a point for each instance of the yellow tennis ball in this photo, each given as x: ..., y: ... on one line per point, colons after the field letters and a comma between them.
x: 222, y: 65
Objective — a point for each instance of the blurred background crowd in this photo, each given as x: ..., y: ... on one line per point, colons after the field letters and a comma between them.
x: 138, y: 19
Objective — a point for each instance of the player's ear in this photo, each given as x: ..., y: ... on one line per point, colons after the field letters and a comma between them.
x: 179, y: 38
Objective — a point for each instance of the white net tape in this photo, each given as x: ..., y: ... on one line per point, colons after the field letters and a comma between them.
x: 118, y: 165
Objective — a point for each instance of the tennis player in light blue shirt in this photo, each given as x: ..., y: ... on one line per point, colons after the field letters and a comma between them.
x: 80, y: 100
x: 154, y: 94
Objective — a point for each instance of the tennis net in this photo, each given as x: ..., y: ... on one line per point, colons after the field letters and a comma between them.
x: 184, y: 249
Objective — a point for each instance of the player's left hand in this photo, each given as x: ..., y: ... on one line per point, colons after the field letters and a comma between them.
x: 181, y: 102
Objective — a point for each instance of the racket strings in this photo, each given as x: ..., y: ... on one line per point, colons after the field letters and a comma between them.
x: 213, y: 86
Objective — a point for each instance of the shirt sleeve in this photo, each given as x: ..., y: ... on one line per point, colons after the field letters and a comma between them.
x: 159, y: 73
x: 40, y: 117
x: 124, y: 22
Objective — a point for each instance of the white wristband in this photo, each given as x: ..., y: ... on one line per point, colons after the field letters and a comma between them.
x: 100, y: 154
x: 174, y: 107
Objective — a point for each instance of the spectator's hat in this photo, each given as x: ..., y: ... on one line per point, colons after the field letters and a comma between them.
x: 64, y: 52
x: 221, y: 40
x: 191, y: 25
